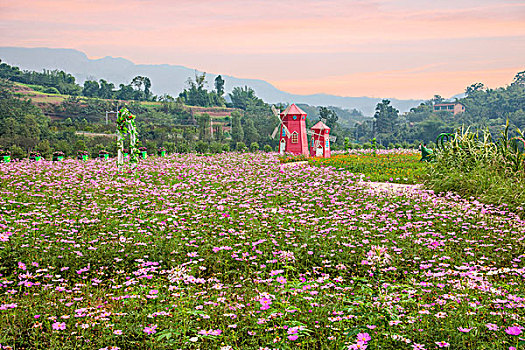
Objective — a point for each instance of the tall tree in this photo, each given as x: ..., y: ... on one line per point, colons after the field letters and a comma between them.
x: 237, y: 130
x: 219, y: 85
x: 329, y: 115
x: 385, y: 117
x: 250, y: 132
x: 91, y: 88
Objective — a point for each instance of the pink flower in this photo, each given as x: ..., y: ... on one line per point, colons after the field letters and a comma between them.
x: 442, y: 344
x: 363, y: 337
x: 464, y: 330
x: 59, y: 325
x: 281, y: 280
x: 513, y: 331
x: 293, y: 337
x: 150, y: 329
x: 492, y: 326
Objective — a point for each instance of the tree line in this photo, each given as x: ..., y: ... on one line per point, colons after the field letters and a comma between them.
x: 485, y: 108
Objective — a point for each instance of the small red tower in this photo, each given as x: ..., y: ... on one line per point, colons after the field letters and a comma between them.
x: 293, y: 137
x: 320, y: 140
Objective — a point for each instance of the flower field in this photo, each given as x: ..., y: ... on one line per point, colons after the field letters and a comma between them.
x: 234, y: 251
x: 399, y: 166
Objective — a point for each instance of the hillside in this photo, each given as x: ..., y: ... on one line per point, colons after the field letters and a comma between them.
x: 171, y: 79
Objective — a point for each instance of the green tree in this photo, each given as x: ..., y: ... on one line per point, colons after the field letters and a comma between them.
x: 385, y: 117
x: 251, y: 135
x: 237, y: 130
x: 219, y: 85
x: 91, y: 88
x: 519, y: 79
x: 474, y: 88
x: 329, y: 115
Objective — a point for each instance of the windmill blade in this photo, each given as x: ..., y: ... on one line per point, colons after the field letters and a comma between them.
x: 310, y: 132
x: 323, y: 120
x: 332, y: 138
x: 275, y: 132
x: 275, y: 111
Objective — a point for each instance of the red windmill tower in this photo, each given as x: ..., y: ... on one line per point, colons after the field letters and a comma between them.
x: 293, y: 136
x: 321, y: 138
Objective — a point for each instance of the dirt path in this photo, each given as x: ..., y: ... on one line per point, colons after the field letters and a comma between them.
x: 391, y: 187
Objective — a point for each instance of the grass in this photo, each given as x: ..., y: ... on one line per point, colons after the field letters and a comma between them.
x: 475, y: 165
x: 397, y: 166
x: 233, y: 251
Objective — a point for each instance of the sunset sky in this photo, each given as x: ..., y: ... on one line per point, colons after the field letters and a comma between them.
x: 384, y: 48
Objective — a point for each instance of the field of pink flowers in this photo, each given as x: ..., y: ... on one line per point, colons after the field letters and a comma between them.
x: 233, y: 251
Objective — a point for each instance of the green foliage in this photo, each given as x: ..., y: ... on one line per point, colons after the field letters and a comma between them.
x: 183, y: 148
x: 329, y: 115
x: 267, y: 148
x: 254, y: 147
x: 237, y: 129
x: 17, y: 152
x: 196, y: 94
x: 241, y: 147
x: 215, y: 147
x: 61, y: 81
x: 386, y: 118
x: 473, y: 164
x: 201, y: 147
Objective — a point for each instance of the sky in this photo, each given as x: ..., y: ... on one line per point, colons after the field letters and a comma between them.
x: 383, y: 48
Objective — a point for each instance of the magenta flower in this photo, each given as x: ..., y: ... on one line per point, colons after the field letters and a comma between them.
x: 59, y: 326
x: 293, y: 337
x: 442, y: 344
x: 464, y: 330
x: 150, y: 329
x: 363, y: 337
x: 492, y: 326
x: 513, y: 331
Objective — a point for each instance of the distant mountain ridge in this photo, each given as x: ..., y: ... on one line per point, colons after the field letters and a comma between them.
x: 171, y: 79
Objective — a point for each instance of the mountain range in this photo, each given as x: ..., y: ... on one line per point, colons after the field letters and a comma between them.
x: 171, y: 79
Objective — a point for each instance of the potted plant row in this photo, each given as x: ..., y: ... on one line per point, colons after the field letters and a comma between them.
x: 162, y: 152
x: 125, y: 152
x: 143, y: 152
x: 5, y: 155
x: 35, y: 156
x: 82, y: 155
x: 58, y: 156
x: 103, y: 154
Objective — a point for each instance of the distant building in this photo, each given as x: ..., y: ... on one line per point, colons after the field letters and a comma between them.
x: 454, y: 108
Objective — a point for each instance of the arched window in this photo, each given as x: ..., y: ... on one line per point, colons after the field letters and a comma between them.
x: 295, y: 137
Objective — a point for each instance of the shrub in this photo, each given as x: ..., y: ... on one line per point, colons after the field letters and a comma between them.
x: 215, y: 147
x: 201, y: 147
x: 254, y: 147
x: 226, y: 147
x: 267, y: 148
x: 183, y: 148
x: 170, y: 147
x: 241, y: 147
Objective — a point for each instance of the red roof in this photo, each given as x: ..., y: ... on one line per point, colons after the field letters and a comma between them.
x: 293, y: 110
x: 320, y: 126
